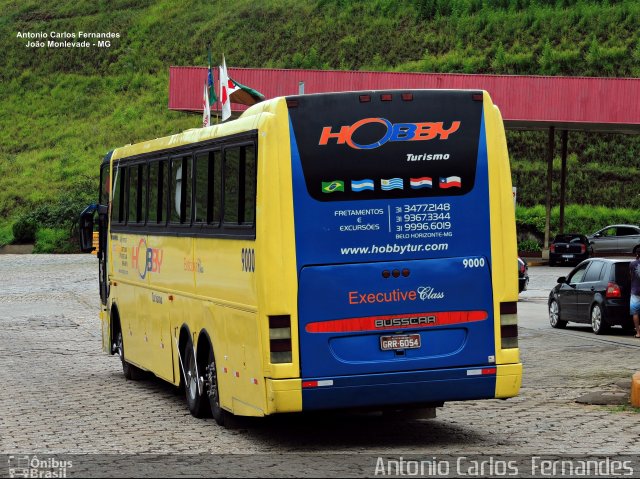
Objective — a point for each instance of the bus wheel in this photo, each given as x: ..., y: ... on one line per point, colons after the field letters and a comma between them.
x: 192, y: 391
x: 213, y: 392
x: 130, y: 371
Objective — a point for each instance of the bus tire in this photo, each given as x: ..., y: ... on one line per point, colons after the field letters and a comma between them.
x: 213, y: 391
x: 130, y: 371
x: 195, y: 400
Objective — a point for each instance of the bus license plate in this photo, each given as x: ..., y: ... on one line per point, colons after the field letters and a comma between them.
x: 400, y: 341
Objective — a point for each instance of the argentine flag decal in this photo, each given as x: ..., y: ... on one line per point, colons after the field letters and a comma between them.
x: 361, y: 185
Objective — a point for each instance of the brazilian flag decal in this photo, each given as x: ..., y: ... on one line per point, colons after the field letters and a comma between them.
x: 332, y: 186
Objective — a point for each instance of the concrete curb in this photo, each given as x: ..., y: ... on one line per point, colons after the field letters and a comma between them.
x: 17, y: 249
x: 535, y: 261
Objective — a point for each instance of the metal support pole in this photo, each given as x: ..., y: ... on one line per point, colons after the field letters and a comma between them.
x: 563, y: 178
x: 547, y: 226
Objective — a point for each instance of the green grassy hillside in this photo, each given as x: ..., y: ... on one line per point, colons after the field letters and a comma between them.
x: 62, y: 109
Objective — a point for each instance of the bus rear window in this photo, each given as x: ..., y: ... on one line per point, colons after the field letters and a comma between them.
x: 351, y: 150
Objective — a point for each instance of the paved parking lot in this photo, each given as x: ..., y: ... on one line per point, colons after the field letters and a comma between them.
x: 62, y: 395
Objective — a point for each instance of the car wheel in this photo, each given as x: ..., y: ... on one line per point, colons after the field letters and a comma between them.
x: 636, y: 250
x: 554, y: 315
x: 598, y: 323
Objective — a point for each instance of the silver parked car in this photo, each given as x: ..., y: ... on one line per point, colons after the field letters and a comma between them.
x: 615, y: 239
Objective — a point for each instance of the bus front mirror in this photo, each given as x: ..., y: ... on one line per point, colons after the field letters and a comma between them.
x: 86, y: 229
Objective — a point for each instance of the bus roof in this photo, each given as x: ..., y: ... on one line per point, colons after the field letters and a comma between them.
x: 248, y: 120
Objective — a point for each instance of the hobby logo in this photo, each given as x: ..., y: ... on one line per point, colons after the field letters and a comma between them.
x: 144, y: 259
x: 394, y: 132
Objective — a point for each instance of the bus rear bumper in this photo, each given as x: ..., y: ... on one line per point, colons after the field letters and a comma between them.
x: 411, y: 388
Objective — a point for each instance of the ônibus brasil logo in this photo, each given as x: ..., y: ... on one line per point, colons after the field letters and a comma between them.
x: 394, y: 132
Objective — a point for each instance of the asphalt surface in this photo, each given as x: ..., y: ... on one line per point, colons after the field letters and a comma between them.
x: 63, y: 399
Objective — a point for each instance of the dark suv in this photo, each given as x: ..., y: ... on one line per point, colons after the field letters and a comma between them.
x: 568, y: 248
x: 596, y: 292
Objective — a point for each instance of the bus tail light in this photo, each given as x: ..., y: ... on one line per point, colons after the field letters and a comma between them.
x: 386, y: 97
x: 280, y: 339
x: 509, y: 325
x: 613, y: 290
x: 407, y: 96
x: 365, y: 98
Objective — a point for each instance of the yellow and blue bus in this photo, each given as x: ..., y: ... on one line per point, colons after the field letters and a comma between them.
x: 329, y: 251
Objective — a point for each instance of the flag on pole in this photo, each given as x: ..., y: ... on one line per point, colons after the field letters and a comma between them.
x: 206, y: 109
x: 211, y: 83
x: 232, y: 91
x: 225, y: 109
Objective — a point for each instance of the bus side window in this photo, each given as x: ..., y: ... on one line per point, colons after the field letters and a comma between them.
x: 187, y: 186
x: 137, y: 193
x: 176, y: 191
x: 181, y: 179
x: 163, y: 191
x: 239, y: 185
x: 154, y: 215
x: 142, y: 193
x: 207, y: 188
x: 231, y: 189
x: 133, y: 194
x: 249, y: 216
x: 117, y: 209
x: 215, y: 188
x: 202, y: 188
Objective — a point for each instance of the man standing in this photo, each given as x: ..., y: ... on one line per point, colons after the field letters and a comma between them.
x: 634, y: 306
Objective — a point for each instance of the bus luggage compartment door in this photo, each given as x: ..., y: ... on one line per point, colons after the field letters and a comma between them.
x: 395, y: 316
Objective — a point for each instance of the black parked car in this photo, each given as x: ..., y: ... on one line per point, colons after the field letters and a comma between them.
x: 523, y: 275
x: 595, y: 292
x: 568, y: 248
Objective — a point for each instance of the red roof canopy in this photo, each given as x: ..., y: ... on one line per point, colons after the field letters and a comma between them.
x: 528, y: 102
